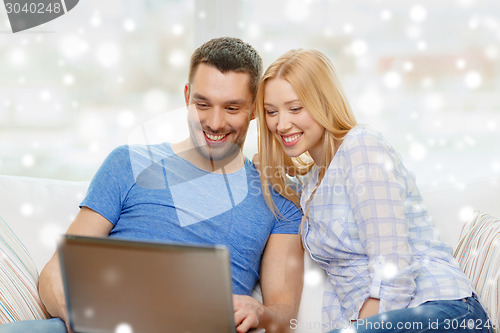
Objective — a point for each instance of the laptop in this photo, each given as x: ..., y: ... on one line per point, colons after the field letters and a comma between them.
x: 122, y: 286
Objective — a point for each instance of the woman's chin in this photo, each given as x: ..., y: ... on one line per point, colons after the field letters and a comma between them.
x: 291, y: 153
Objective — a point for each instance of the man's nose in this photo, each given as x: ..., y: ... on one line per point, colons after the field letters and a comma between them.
x: 216, y: 120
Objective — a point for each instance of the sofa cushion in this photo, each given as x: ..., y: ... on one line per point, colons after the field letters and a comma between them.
x: 478, y: 254
x: 19, y: 298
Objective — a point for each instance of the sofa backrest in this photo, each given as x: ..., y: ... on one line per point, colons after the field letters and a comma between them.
x: 451, y: 207
x: 38, y: 210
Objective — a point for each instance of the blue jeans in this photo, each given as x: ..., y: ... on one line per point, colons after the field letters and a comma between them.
x: 54, y: 325
x: 463, y: 315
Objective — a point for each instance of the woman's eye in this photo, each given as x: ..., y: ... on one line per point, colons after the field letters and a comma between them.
x: 296, y: 109
x: 271, y: 112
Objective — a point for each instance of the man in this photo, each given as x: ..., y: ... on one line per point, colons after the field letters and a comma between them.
x: 201, y: 190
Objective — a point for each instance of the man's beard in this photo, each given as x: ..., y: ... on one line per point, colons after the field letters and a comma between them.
x: 218, y: 153
x: 225, y: 150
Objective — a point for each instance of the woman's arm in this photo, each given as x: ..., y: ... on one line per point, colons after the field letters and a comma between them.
x: 369, y: 308
x: 377, y: 192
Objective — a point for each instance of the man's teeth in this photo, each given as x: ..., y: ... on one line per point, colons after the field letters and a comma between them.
x: 291, y: 138
x: 215, y: 137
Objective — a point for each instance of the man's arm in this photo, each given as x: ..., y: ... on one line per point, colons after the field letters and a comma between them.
x: 50, y: 286
x: 281, y: 279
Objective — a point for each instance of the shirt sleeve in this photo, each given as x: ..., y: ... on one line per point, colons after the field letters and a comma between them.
x: 289, y: 222
x: 377, y: 191
x: 110, y: 185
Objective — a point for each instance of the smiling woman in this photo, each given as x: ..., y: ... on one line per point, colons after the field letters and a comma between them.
x: 290, y: 122
x: 365, y: 222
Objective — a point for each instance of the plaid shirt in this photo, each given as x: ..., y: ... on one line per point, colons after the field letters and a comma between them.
x: 368, y: 228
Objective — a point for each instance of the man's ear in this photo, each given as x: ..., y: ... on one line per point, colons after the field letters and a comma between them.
x: 254, y: 110
x: 186, y: 94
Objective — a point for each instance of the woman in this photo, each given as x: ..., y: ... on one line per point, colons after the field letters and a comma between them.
x: 365, y: 222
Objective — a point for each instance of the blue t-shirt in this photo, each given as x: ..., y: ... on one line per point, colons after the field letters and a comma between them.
x: 150, y: 193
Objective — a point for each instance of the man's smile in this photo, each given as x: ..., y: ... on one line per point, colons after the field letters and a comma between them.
x: 215, y: 138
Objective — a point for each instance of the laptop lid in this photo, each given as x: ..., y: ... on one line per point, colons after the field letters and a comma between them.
x: 127, y: 286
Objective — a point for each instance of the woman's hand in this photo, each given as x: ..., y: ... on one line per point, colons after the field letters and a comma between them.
x: 369, y: 308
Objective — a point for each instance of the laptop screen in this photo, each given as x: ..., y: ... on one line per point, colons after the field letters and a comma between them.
x: 128, y: 286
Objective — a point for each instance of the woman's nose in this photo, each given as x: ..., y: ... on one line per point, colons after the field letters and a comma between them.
x: 284, y: 123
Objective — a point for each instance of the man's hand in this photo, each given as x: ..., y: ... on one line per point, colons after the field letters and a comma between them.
x: 66, y: 321
x: 50, y: 285
x: 248, y: 312
x: 58, y: 304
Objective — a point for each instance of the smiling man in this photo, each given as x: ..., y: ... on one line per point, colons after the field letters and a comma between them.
x: 200, y: 191
x: 220, y: 107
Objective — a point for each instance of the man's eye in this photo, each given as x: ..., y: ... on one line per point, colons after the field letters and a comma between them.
x: 202, y: 105
x: 232, y: 108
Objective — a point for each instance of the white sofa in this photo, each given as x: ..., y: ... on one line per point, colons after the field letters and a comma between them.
x: 39, y: 210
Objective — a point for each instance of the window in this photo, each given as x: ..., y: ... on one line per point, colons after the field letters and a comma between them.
x: 426, y: 74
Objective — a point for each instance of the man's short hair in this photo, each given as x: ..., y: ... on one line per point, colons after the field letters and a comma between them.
x: 229, y: 54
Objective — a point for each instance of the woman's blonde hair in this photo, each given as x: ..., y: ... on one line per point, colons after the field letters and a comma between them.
x: 314, y: 80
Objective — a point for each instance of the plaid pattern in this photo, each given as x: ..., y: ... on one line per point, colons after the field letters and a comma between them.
x: 368, y: 228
